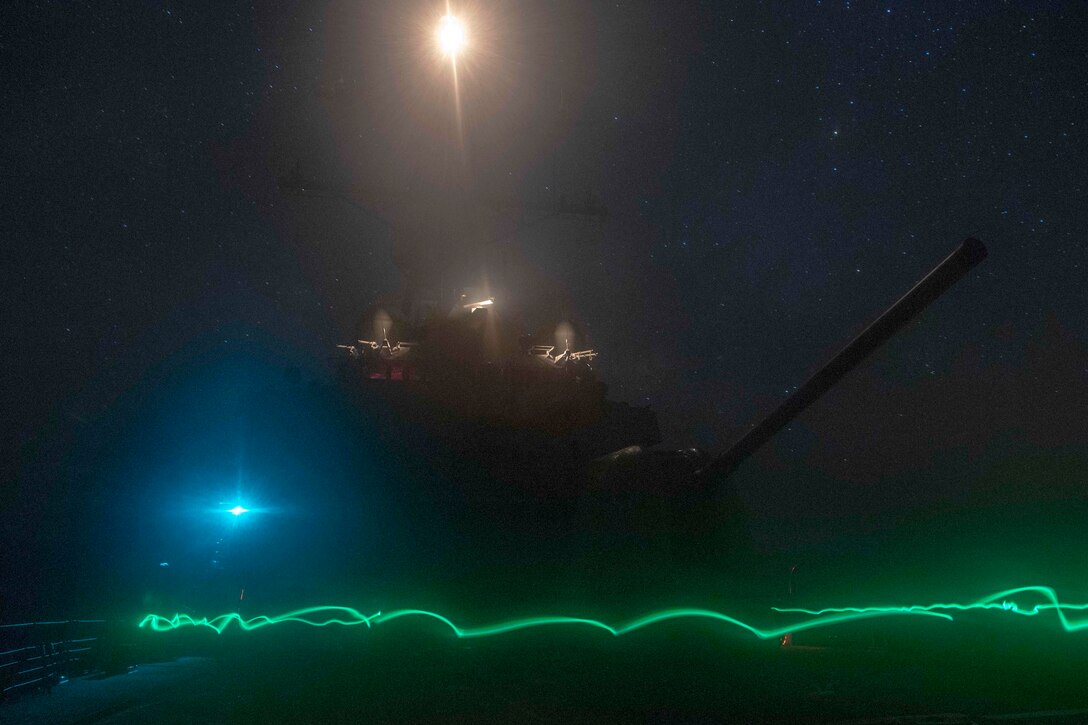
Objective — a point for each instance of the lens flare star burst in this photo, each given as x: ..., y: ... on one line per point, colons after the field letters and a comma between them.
x: 451, y: 36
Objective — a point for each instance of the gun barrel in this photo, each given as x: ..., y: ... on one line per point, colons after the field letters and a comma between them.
x: 932, y: 286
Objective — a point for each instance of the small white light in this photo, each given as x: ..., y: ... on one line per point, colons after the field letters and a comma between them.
x: 238, y: 510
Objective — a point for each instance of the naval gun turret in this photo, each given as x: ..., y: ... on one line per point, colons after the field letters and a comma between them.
x: 544, y: 469
x: 682, y: 501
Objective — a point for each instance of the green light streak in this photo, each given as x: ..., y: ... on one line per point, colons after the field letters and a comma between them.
x: 346, y: 616
x: 997, y: 601
x: 164, y: 624
x: 654, y: 618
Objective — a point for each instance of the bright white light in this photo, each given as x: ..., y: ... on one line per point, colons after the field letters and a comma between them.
x: 451, y: 35
x: 238, y: 510
x: 473, y: 306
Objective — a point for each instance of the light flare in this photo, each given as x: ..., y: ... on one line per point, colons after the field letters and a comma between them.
x: 452, y: 39
x: 451, y: 35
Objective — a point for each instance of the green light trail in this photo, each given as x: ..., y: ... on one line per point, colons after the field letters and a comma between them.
x: 323, y: 616
x: 164, y: 624
x: 997, y: 601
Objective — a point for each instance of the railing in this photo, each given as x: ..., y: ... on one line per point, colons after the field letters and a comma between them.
x: 39, y: 655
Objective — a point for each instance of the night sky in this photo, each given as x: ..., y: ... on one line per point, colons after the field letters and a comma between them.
x: 776, y: 174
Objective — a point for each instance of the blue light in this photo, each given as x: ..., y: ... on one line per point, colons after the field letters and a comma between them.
x: 238, y: 510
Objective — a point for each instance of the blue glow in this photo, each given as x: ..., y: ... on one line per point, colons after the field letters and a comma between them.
x: 238, y: 510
